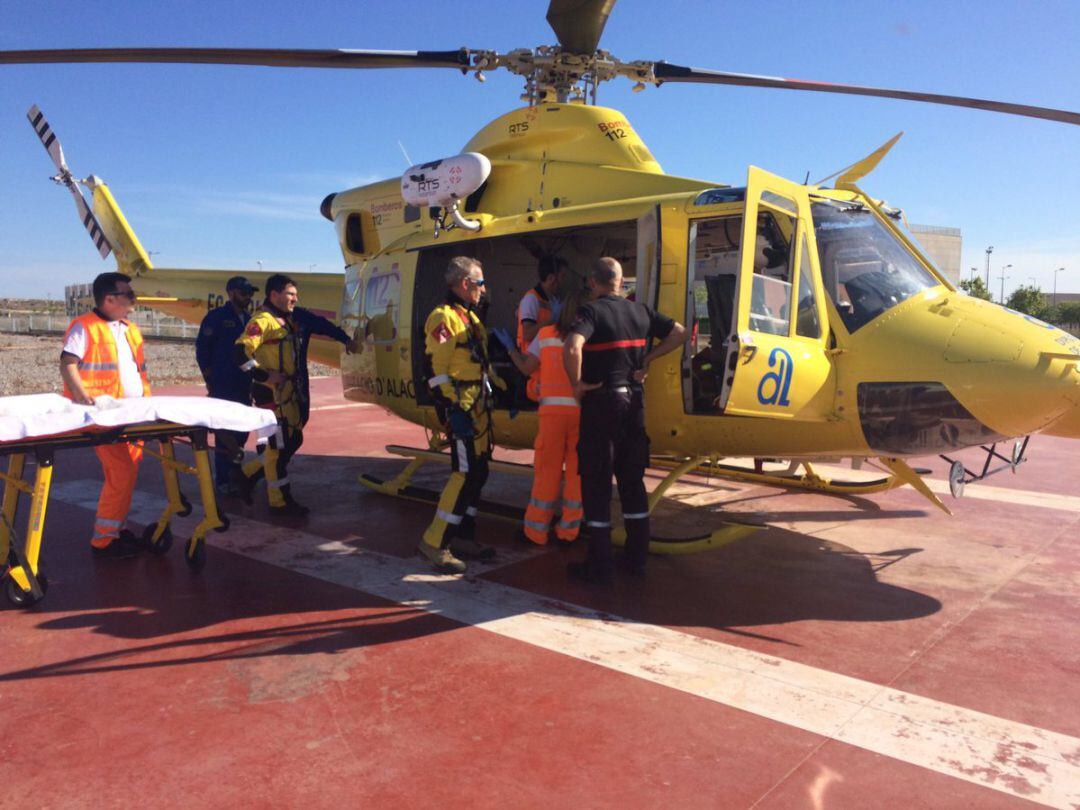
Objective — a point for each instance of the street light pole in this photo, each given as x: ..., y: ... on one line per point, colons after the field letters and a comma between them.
x: 1055, y: 285
x: 989, y: 250
x: 1003, y: 277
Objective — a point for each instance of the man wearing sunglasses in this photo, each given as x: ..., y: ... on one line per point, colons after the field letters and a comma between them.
x: 103, y: 357
x: 460, y: 379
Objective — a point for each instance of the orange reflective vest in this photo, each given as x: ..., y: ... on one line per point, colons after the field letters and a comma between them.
x: 556, y: 393
x: 99, y: 367
x: 533, y: 385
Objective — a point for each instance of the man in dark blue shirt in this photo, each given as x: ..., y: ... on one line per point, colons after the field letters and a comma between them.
x: 213, y: 352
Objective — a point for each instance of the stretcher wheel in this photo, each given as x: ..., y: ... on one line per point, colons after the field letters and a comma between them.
x: 185, y: 506
x: 224, y: 527
x: 164, y: 542
x: 24, y: 599
x: 195, y: 560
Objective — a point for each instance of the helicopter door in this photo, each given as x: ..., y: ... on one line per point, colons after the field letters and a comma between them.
x: 776, y: 363
x: 648, y: 256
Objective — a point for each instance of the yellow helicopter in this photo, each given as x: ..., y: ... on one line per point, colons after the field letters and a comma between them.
x: 820, y: 328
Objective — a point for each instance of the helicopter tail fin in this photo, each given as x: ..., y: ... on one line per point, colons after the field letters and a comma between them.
x: 108, y: 228
x: 131, y: 258
x: 852, y: 174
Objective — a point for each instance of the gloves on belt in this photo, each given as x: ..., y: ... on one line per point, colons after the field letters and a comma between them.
x: 461, y: 424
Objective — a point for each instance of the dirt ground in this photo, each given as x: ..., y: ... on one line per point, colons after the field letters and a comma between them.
x: 30, y: 364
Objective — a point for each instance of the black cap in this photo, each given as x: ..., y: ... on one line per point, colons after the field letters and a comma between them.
x: 240, y: 283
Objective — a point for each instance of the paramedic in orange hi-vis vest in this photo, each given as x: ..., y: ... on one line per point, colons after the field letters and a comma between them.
x: 557, y: 438
x: 103, y: 357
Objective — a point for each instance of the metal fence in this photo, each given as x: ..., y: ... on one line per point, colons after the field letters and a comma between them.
x: 150, y: 324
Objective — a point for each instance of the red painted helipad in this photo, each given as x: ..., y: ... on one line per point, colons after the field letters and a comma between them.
x: 857, y: 652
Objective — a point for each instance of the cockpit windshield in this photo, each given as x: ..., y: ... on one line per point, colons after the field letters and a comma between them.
x: 865, y: 268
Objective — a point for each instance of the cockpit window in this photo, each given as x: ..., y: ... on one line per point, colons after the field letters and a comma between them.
x: 866, y: 269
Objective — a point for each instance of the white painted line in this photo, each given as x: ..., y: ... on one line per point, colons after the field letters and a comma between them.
x: 1020, y: 497
x: 999, y: 754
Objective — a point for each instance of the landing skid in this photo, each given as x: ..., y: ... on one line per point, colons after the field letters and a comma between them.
x: 787, y: 474
x: 796, y: 475
x: 400, y: 487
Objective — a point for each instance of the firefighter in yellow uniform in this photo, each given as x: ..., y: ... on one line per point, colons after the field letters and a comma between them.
x: 461, y: 380
x: 270, y: 350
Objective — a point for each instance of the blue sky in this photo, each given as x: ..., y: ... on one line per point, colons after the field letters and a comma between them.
x: 224, y: 167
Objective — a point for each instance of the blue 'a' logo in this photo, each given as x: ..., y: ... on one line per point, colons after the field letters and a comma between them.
x: 774, y: 385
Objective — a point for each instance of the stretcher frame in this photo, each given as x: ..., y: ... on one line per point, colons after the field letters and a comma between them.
x: 400, y: 486
x: 23, y: 581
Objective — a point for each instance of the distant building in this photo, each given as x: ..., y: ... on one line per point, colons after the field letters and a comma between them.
x: 942, y: 245
x: 1062, y: 297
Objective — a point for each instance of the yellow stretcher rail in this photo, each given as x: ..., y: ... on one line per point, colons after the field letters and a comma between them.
x: 23, y: 581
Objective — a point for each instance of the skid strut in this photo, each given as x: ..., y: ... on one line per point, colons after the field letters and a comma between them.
x: 960, y: 476
x: 399, y: 486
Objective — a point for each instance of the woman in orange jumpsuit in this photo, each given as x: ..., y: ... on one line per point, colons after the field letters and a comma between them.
x: 557, y: 439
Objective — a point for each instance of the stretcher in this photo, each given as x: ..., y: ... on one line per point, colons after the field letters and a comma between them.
x: 39, y: 426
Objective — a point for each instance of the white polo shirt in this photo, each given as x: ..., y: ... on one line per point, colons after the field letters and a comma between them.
x: 130, y: 380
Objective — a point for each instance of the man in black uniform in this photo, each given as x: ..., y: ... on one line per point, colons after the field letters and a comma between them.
x: 213, y: 352
x: 607, y: 357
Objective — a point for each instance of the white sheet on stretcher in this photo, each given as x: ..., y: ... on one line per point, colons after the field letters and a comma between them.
x: 35, y: 415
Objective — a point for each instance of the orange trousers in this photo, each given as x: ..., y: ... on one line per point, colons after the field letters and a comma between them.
x: 556, y: 446
x: 120, y: 462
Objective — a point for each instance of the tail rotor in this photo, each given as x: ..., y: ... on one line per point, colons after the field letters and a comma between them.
x: 65, y: 177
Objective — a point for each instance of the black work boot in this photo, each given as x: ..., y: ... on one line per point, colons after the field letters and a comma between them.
x: 242, y: 485
x: 292, y: 507
x: 468, y: 549
x: 120, y: 548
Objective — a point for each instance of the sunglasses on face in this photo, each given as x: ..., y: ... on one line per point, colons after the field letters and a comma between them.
x: 477, y: 282
x: 129, y: 295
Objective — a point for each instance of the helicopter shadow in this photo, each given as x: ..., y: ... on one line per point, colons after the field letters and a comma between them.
x: 241, y: 610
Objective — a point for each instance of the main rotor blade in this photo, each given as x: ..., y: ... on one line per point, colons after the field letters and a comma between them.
x: 578, y: 24
x: 665, y: 72
x: 48, y: 138
x: 267, y: 57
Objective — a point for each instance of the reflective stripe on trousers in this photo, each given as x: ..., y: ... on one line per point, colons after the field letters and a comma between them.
x: 555, y: 446
x: 120, y: 463
x: 456, y: 510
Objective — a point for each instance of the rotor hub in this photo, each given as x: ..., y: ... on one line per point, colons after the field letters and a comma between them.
x: 553, y: 74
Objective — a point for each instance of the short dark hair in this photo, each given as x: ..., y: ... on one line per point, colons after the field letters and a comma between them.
x: 604, y: 271
x: 278, y: 282
x: 550, y: 265
x: 105, y: 284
